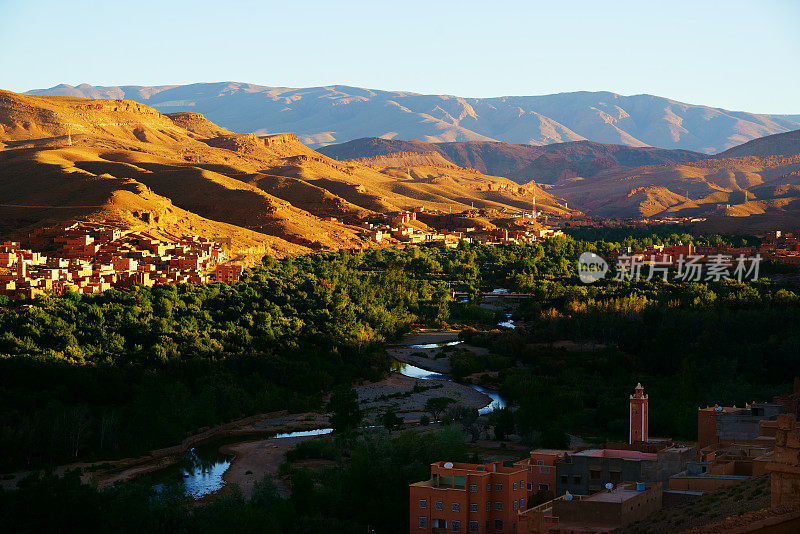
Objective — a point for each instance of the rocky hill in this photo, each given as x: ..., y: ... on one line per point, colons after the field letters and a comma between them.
x: 334, y: 114
x: 521, y: 163
x: 68, y: 158
x: 752, y: 192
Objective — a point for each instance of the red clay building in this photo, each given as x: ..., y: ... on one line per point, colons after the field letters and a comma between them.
x: 228, y: 272
x: 462, y: 497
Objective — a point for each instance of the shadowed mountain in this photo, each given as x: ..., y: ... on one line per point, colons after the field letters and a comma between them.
x: 334, y: 114
x: 521, y: 163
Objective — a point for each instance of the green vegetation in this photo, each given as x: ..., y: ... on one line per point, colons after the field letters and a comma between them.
x: 368, y: 486
x: 99, y: 377
x: 346, y: 414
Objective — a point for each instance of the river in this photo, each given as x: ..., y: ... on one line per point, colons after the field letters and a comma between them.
x: 202, y: 468
x: 419, y: 373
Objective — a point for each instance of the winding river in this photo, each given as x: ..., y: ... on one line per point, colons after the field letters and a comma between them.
x: 202, y: 469
x: 419, y: 373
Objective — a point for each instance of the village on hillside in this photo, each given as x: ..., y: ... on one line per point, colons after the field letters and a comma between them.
x: 85, y: 258
x: 90, y: 258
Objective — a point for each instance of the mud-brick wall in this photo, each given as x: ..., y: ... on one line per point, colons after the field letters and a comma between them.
x: 786, y: 468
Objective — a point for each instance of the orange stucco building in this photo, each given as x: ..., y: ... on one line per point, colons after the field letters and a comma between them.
x: 462, y: 497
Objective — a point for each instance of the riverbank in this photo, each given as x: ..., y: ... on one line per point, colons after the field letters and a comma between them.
x: 251, y: 440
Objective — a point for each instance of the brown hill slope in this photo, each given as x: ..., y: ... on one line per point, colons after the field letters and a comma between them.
x: 521, y: 163
x: 767, y: 186
x: 64, y: 158
x: 772, y: 145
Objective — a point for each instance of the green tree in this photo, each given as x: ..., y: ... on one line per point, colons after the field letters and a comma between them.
x: 437, y: 405
x: 391, y: 421
x: 346, y: 413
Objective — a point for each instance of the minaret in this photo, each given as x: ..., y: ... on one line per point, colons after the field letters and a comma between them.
x: 638, y: 416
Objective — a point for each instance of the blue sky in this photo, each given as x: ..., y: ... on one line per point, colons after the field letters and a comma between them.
x: 732, y: 54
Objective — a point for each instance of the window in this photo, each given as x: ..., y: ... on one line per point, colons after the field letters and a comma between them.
x: 539, y: 462
x: 473, y: 487
x: 456, y: 525
x: 522, y: 503
x: 488, y: 506
x: 514, y: 505
x: 456, y: 507
x: 498, y: 505
x: 615, y: 476
x: 498, y: 487
x: 460, y: 482
x: 488, y: 487
x: 521, y: 484
x: 439, y: 505
x: 530, y: 487
x: 515, y: 486
x: 563, y: 479
x: 473, y: 526
x: 576, y: 479
x: 473, y: 507
x: 594, y: 474
x: 423, y: 522
x: 544, y: 487
x: 498, y: 524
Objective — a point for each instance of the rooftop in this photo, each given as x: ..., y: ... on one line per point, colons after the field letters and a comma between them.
x: 621, y: 493
x: 614, y: 453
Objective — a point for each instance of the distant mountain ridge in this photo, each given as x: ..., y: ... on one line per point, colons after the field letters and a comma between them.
x: 326, y: 115
x: 521, y: 163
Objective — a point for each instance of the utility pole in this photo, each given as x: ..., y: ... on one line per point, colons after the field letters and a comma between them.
x: 69, y: 136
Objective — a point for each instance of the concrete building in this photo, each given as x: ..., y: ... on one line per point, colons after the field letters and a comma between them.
x: 729, y: 424
x: 462, y: 497
x: 605, y: 511
x: 589, y: 471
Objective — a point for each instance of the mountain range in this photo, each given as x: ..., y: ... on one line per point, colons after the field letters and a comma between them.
x: 521, y: 163
x: 753, y: 186
x: 334, y: 114
x: 124, y: 163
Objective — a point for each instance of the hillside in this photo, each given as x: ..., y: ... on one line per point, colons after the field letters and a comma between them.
x: 752, y: 192
x: 67, y: 158
x: 772, y: 145
x: 326, y: 115
x: 521, y: 163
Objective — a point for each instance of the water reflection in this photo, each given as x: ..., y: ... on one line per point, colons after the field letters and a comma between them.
x: 302, y: 433
x: 435, y: 345
x: 508, y: 323
x: 200, y: 472
x: 406, y: 369
x: 497, y: 401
